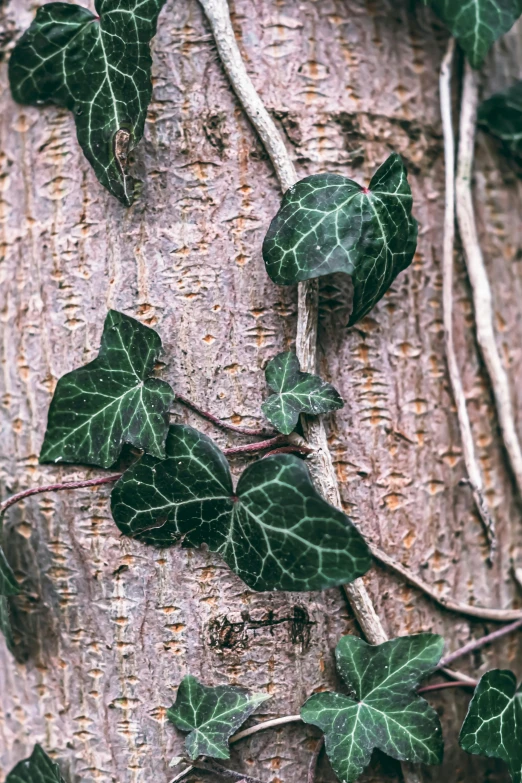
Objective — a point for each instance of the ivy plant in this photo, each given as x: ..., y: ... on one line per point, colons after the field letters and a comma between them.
x: 295, y: 392
x: 501, y: 115
x: 111, y: 401
x: 211, y: 715
x: 477, y: 24
x: 328, y: 223
x: 97, y: 66
x: 38, y: 768
x: 383, y: 710
x: 274, y: 529
x: 493, y: 725
x: 8, y: 586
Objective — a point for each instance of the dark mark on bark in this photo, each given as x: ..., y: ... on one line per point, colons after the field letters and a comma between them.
x: 227, y: 635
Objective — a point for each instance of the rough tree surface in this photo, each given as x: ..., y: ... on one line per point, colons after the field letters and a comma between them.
x: 110, y: 626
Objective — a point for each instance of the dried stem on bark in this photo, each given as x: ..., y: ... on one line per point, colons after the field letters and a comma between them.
x: 468, y: 448
x: 482, y: 296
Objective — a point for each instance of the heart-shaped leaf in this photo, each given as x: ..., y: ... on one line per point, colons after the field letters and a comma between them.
x: 493, y: 725
x: 477, y: 24
x: 38, y: 768
x: 328, y: 223
x: 501, y: 115
x: 211, y: 715
x: 275, y: 531
x: 97, y: 66
x: 110, y: 401
x: 385, y: 711
x: 296, y: 392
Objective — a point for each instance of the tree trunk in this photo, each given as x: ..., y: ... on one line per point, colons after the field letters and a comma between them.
x: 111, y: 626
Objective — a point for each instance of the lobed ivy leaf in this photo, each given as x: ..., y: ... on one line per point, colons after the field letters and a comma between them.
x: 38, y: 768
x: 275, y: 531
x: 211, y: 715
x: 493, y: 725
x: 385, y: 712
x: 501, y: 115
x: 97, y: 66
x: 477, y: 24
x: 111, y: 401
x: 328, y: 223
x: 296, y: 392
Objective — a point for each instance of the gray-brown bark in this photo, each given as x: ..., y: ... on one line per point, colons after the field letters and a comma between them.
x: 112, y: 626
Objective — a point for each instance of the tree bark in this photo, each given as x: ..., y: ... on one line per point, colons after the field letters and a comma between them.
x: 108, y: 626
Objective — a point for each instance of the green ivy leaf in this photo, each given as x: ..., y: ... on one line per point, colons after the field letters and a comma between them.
x: 493, y: 725
x: 38, y: 768
x: 501, y: 115
x: 111, y: 401
x: 98, y: 67
x: 328, y: 223
x: 296, y: 392
x: 274, y: 531
x: 477, y: 24
x: 5, y: 622
x: 8, y: 583
x: 211, y: 715
x: 385, y: 711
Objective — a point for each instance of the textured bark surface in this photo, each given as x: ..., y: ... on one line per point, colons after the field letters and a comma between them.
x: 109, y: 626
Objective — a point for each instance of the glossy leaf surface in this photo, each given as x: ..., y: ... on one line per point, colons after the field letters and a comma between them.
x: 274, y: 530
x: 97, y: 66
x: 38, y: 768
x: 296, y: 392
x: 110, y: 401
x: 493, y: 725
x: 211, y: 715
x: 385, y: 711
x: 328, y: 223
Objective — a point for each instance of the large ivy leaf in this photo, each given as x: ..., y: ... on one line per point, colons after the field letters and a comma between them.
x: 38, y: 768
x: 211, y: 715
x: 493, y: 725
x: 110, y: 401
x: 98, y: 66
x: 385, y: 711
x: 275, y: 531
x: 501, y: 115
x: 296, y: 392
x: 8, y: 586
x: 328, y: 223
x: 477, y: 24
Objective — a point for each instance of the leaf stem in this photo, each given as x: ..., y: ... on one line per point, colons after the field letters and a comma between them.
x: 219, y: 422
x: 468, y: 448
x: 494, y: 615
x: 267, y: 724
x: 291, y: 449
x: 477, y: 644
x: 57, y: 488
x: 249, y: 448
x: 439, y: 686
x: 482, y: 296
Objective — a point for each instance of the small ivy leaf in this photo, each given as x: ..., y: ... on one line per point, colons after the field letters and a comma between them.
x: 110, y: 401
x: 386, y: 712
x: 98, y: 67
x: 275, y: 531
x: 501, y: 115
x: 328, y: 223
x: 296, y: 392
x: 211, y: 715
x: 8, y: 583
x: 493, y: 725
x: 38, y: 768
x: 477, y: 24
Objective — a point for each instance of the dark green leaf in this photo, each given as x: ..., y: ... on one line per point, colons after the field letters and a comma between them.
x: 385, y: 711
x: 501, y: 115
x: 8, y: 583
x: 5, y: 622
x: 98, y: 66
x: 274, y: 531
x: 38, y: 768
x: 476, y: 24
x: 110, y: 401
x: 493, y: 725
x: 328, y: 223
x: 296, y: 392
x: 211, y: 715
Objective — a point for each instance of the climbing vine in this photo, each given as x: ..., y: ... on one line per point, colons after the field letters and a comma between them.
x: 281, y: 526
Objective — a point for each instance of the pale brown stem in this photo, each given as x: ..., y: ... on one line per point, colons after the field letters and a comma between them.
x: 57, y: 488
x: 250, y: 448
x: 263, y: 432
x: 477, y: 644
x: 440, y: 686
x: 475, y: 479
